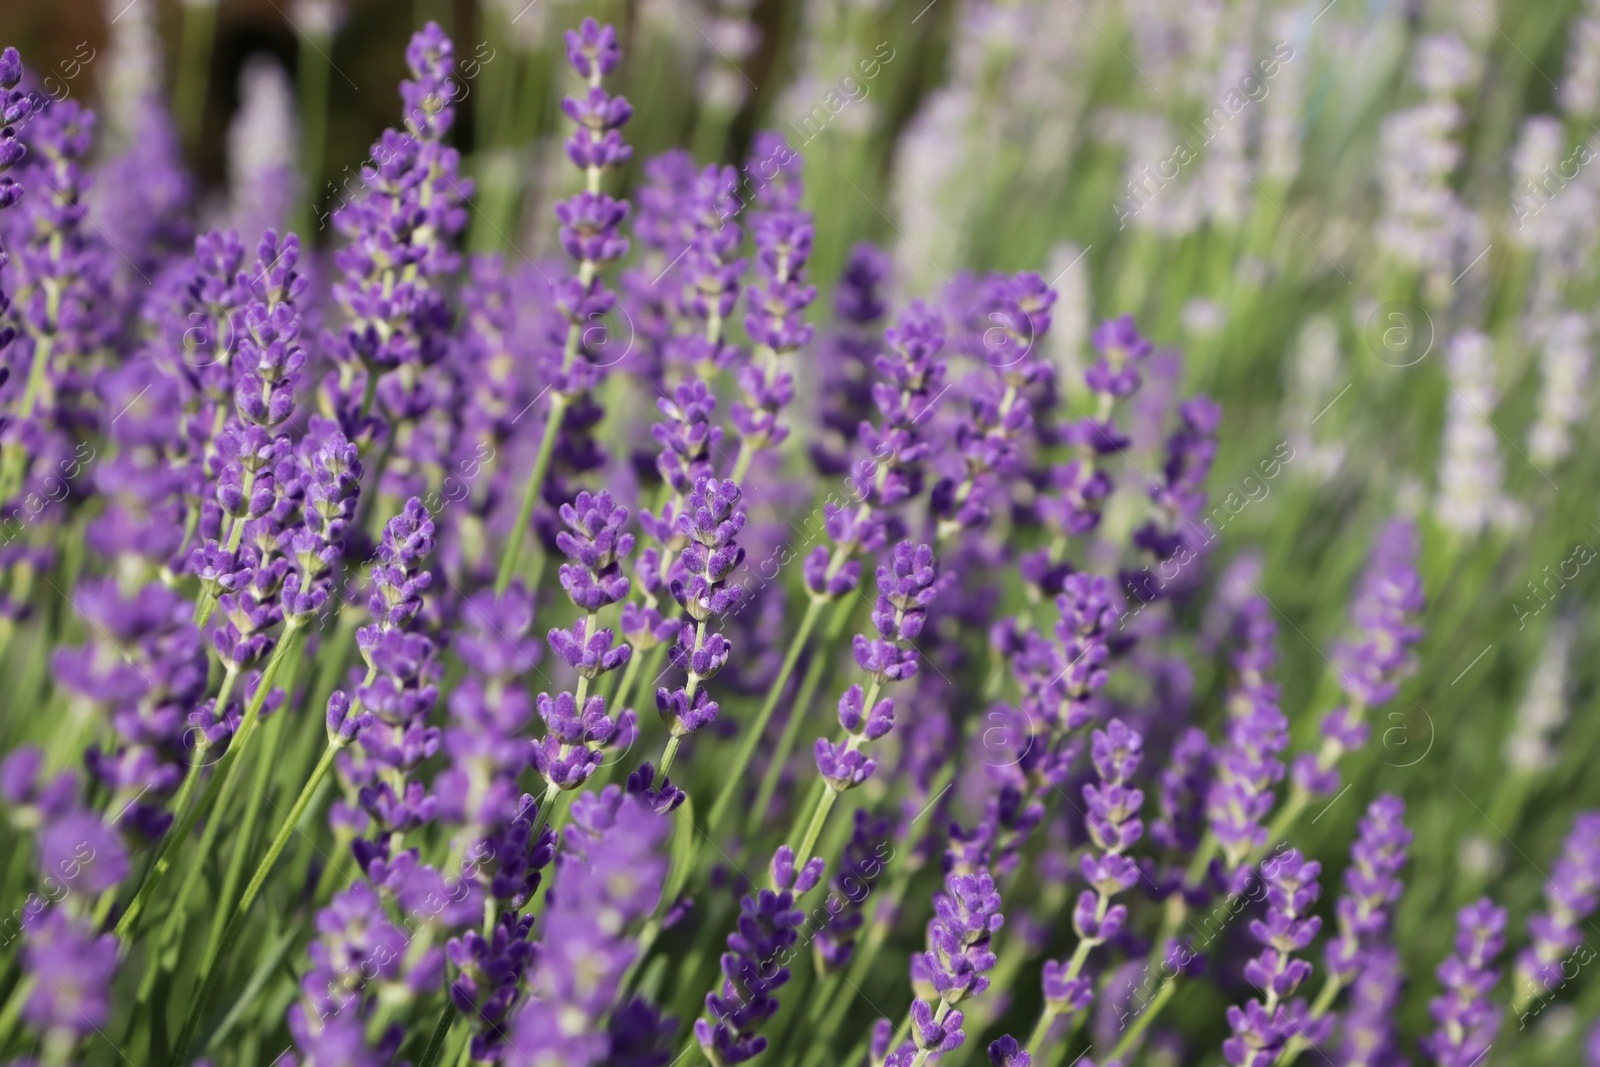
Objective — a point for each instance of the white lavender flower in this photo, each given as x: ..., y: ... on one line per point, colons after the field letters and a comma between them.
x: 1315, y: 379
x: 262, y: 141
x: 1225, y: 170
x: 1469, y: 495
x: 317, y: 19
x: 1564, y: 392
x: 1544, y: 708
x: 1579, y: 94
x: 133, y: 72
x: 1283, y: 111
x: 1537, y: 182
x: 1421, y: 212
x: 1445, y: 65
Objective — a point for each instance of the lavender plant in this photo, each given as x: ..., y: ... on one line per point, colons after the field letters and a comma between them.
x: 335, y: 565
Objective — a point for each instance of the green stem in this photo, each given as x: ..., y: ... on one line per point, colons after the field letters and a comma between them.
x: 187, y: 815
x: 206, y: 981
x: 530, y: 494
x: 177, y: 917
x: 194, y: 71
x: 247, y: 831
x: 16, y: 457
x: 13, y: 1009
x: 819, y: 817
x: 797, y: 715
x: 313, y: 71
x: 1319, y: 1008
x: 1146, y: 1017
x: 752, y: 737
x: 668, y: 754
x: 441, y: 1032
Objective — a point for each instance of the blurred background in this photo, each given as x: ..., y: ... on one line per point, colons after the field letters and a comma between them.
x: 1367, y: 227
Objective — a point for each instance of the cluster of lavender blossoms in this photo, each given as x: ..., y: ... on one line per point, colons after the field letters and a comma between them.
x: 331, y: 579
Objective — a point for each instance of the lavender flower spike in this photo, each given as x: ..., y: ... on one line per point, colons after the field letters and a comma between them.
x: 709, y: 525
x: 1264, y: 1026
x: 575, y: 358
x: 1114, y: 826
x: 1385, y: 607
x: 1467, y: 1019
x: 754, y: 969
x: 956, y: 964
x: 1570, y: 893
x: 1372, y: 885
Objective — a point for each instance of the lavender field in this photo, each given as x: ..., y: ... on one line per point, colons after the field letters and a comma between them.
x: 1048, y: 533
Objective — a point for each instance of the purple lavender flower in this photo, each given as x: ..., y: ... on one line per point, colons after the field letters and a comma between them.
x: 1003, y: 328
x: 74, y: 970
x: 1173, y: 538
x: 146, y: 696
x: 956, y: 963
x: 61, y: 269
x: 1467, y: 1019
x: 1370, y: 1037
x: 1386, y: 603
x: 608, y: 879
x: 755, y: 967
x: 1114, y: 826
x: 1372, y: 883
x: 710, y: 525
x: 1264, y: 1026
x: 708, y: 272
x: 859, y: 870
x: 408, y: 208
x: 777, y: 304
x: 15, y: 107
x: 1247, y: 767
x: 595, y: 539
x: 1570, y: 894
x: 848, y: 357
x: 907, y: 584
x: 590, y: 220
x: 911, y: 373
x: 1005, y: 1052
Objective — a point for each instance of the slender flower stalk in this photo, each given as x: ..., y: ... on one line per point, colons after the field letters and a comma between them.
x: 907, y: 584
x: 912, y: 375
x: 1114, y: 826
x: 590, y: 224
